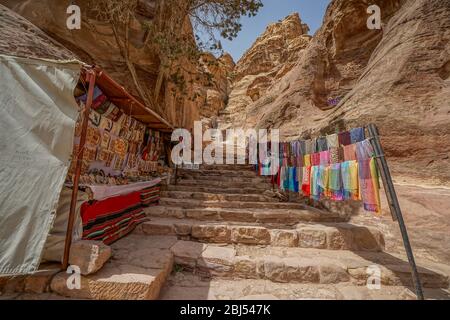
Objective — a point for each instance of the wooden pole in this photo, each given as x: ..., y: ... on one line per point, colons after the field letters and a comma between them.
x: 91, y: 75
x: 394, y: 204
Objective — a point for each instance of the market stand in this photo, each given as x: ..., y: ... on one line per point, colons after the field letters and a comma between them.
x: 125, y: 193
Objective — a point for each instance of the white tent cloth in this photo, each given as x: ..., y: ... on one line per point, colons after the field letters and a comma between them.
x: 37, y: 122
x: 102, y: 192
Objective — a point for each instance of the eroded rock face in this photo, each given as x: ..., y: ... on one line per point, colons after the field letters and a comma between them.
x: 272, y: 55
x: 95, y: 43
x: 349, y: 76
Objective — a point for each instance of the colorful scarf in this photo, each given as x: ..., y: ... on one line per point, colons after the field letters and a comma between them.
x: 315, y: 177
x: 323, y: 181
x: 350, y: 185
x: 324, y: 158
x: 350, y: 152
x: 368, y: 180
x: 307, y: 160
x: 334, y: 155
x: 332, y: 141
x: 293, y: 183
x: 357, y: 135
x: 344, y: 138
x: 321, y: 144
x: 315, y: 159
x: 309, y: 146
x: 306, y: 181
x: 335, y: 182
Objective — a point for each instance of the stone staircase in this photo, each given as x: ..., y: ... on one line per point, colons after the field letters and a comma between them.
x: 224, y: 223
x: 230, y: 225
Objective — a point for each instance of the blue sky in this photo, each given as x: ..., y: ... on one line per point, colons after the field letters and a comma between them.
x: 311, y: 12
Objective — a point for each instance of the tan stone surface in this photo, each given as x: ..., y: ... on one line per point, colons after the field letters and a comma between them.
x: 89, y: 256
x: 250, y: 235
x: 137, y: 271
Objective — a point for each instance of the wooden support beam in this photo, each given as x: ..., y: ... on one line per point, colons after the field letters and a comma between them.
x: 91, y: 75
x: 394, y: 205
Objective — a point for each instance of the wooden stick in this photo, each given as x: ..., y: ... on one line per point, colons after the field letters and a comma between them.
x: 91, y: 75
x: 394, y: 205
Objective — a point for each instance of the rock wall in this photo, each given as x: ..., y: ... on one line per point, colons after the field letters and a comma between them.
x: 348, y: 76
x: 95, y: 43
x: 273, y: 54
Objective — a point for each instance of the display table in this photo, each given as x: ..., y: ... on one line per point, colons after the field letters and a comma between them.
x: 102, y: 192
x: 116, y: 210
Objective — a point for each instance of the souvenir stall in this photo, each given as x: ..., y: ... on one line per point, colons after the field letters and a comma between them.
x: 338, y: 167
x: 343, y: 166
x: 118, y: 158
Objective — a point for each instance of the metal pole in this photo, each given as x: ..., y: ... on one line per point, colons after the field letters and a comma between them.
x: 68, y: 242
x: 394, y: 204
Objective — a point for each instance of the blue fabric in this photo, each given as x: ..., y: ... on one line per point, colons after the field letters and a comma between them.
x: 357, y: 135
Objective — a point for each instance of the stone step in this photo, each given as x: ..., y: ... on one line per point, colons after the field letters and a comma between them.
x: 235, y: 167
x: 200, y: 179
x: 38, y: 282
x: 214, y: 173
x: 192, y: 195
x: 193, y: 203
x: 137, y: 271
x: 199, y: 188
x: 247, y: 215
x: 300, y: 265
x: 216, y: 182
x: 337, y: 236
x: 184, y: 285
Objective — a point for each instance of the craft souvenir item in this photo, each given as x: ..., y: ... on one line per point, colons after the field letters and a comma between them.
x: 95, y: 118
x: 106, y: 124
x: 133, y: 148
x: 113, y: 113
x: 105, y: 140
x: 120, y: 147
x: 90, y: 153
x: 98, y: 102
x: 103, y: 155
x: 103, y: 107
x: 118, y: 163
x: 109, y: 159
x: 117, y: 125
x: 93, y: 136
x: 131, y: 161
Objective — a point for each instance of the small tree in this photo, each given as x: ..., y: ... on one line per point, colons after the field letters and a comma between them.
x: 165, y: 33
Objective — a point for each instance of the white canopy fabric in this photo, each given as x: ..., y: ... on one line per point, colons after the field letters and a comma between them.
x: 37, y: 122
x: 102, y: 192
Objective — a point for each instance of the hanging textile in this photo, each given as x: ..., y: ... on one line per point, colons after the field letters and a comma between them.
x: 306, y: 181
x: 309, y: 146
x: 315, y: 176
x: 335, y: 155
x: 349, y: 152
x: 307, y: 160
x: 368, y: 179
x: 350, y: 183
x: 332, y: 141
x: 321, y: 144
x: 324, y: 157
x: 315, y: 159
x: 344, y: 138
x: 357, y: 135
x: 335, y: 182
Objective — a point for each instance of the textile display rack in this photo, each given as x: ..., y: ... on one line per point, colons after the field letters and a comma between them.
x: 131, y: 129
x: 343, y: 166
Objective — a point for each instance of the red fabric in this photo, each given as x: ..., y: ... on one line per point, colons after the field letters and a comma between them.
x: 98, y: 209
x: 113, y: 218
x: 315, y: 159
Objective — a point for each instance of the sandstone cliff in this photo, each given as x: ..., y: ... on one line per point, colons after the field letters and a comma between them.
x: 348, y: 76
x: 205, y: 86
